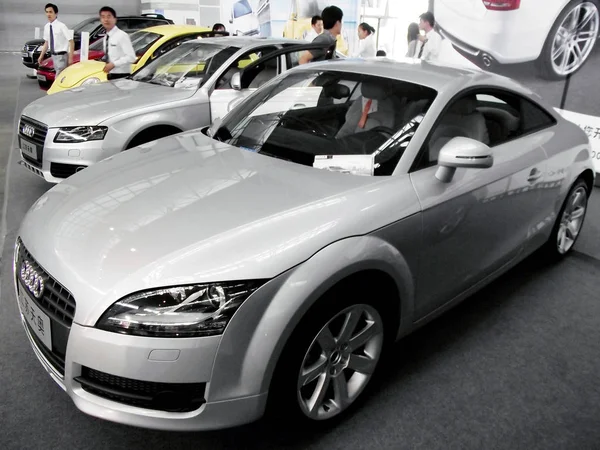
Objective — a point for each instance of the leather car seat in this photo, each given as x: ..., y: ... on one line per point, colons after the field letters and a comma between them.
x: 461, y: 119
x: 384, y: 116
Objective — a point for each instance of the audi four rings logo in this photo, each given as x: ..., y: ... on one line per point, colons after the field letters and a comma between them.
x: 32, y: 279
x: 28, y: 130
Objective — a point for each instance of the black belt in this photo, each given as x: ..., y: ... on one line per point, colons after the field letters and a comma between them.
x: 58, y: 53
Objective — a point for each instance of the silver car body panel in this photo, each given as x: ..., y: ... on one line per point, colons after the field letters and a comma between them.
x: 187, y: 209
x: 129, y: 108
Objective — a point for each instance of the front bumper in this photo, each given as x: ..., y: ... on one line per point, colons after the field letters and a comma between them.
x: 58, y: 161
x: 45, y: 79
x: 130, y: 357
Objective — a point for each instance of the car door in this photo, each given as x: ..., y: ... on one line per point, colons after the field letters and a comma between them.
x: 253, y: 73
x: 481, y: 220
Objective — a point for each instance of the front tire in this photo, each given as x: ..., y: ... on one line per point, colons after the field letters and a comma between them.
x: 571, y: 40
x: 329, y: 360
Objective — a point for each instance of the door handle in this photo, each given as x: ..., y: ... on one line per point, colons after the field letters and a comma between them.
x: 534, y: 175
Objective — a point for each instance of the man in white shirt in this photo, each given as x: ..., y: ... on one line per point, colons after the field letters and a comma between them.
x: 118, y: 51
x: 429, y: 46
x: 59, y: 39
x: 316, y: 24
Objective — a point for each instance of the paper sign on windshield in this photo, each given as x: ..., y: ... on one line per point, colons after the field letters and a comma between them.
x: 352, y: 164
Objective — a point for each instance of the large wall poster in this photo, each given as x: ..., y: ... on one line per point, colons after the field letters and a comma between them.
x: 540, y: 43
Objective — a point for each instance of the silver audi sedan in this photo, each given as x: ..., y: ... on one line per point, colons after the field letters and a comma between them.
x: 268, y: 262
x: 186, y: 88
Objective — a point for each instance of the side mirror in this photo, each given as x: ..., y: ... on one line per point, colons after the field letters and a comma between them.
x: 462, y: 152
x: 236, y: 82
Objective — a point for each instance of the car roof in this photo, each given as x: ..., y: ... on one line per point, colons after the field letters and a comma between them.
x: 433, y: 75
x: 174, y: 30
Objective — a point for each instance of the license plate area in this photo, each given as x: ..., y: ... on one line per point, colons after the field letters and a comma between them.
x: 38, y: 321
x: 41, y: 77
x: 28, y: 148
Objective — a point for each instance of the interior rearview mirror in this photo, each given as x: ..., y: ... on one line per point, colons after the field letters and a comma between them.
x: 236, y: 82
x: 462, y: 152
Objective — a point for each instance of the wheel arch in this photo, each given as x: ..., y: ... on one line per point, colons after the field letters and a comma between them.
x: 162, y: 129
x: 286, y: 300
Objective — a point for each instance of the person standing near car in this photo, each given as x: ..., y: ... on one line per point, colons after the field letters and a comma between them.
x: 367, y: 47
x: 430, y: 44
x: 58, y: 39
x: 118, y: 51
x: 316, y: 24
x: 332, y: 22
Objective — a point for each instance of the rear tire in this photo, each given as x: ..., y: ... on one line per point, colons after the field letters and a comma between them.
x: 568, y: 223
x: 562, y: 37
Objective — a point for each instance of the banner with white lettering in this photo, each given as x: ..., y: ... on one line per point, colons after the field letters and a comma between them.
x: 591, y: 126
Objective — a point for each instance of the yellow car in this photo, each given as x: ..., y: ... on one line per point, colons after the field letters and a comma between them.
x: 148, y: 44
x: 298, y: 25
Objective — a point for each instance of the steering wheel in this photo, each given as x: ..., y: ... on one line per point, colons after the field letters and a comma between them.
x: 317, y: 128
x: 383, y: 130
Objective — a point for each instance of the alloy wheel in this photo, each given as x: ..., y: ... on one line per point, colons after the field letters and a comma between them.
x: 340, y: 362
x: 575, y: 38
x: 572, y: 220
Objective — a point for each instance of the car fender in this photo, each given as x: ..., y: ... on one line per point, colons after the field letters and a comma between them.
x: 183, y: 116
x: 255, y: 337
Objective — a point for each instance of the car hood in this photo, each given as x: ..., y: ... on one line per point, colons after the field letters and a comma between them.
x: 187, y: 209
x: 35, y: 42
x: 93, y: 104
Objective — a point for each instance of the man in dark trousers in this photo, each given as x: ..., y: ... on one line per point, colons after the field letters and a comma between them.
x: 118, y: 51
x: 59, y: 39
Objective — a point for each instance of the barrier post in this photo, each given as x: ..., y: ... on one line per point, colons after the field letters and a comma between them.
x: 84, y: 52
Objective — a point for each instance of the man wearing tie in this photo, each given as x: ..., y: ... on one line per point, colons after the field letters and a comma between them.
x: 118, y: 51
x: 429, y: 46
x: 59, y: 39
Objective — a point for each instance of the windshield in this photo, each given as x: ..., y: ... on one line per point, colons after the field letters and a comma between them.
x: 187, y: 66
x: 142, y: 41
x: 241, y: 8
x: 87, y: 25
x: 332, y: 120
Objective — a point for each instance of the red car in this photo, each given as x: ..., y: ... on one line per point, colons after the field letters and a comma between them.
x: 46, y: 74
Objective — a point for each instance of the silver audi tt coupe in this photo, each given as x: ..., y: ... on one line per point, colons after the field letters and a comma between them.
x: 267, y: 262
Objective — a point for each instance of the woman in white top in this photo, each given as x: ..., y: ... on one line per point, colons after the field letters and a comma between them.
x: 366, y: 45
x: 413, y: 40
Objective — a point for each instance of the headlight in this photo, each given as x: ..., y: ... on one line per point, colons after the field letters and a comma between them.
x: 92, y: 80
x: 187, y: 311
x: 80, y: 134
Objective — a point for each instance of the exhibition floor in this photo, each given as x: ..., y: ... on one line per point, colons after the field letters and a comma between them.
x: 515, y: 366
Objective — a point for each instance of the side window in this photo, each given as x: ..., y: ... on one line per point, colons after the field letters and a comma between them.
x: 170, y: 45
x: 258, y: 74
x: 534, y: 118
x: 492, y: 117
x: 124, y: 24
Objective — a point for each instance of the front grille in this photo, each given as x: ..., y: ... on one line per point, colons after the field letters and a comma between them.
x: 172, y: 397
x: 56, y: 301
x: 56, y: 359
x: 59, y: 170
x: 40, y: 131
x: 30, y: 160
